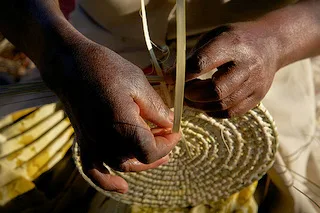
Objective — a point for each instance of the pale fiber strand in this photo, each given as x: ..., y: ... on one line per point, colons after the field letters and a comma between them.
x: 152, y: 54
x: 180, y: 65
x: 178, y: 104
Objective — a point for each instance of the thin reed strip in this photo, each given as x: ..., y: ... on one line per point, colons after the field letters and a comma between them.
x: 180, y: 64
x: 152, y: 54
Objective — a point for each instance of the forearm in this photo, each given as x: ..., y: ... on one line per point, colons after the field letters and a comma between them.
x: 36, y: 27
x: 296, y: 31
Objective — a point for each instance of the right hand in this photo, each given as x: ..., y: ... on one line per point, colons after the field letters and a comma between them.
x: 108, y: 99
x: 246, y: 58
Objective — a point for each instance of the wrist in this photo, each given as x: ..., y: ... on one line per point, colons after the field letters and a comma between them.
x: 295, y: 31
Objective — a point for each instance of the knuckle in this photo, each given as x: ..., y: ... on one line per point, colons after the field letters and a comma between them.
x: 217, y: 92
x: 202, y: 61
x: 237, y: 39
x: 257, y: 62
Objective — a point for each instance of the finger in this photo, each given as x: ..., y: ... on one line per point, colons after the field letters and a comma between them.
x: 155, y: 146
x: 227, y: 80
x: 100, y: 175
x: 107, y: 181
x: 200, y: 91
x: 133, y: 165
x: 153, y: 109
x: 142, y: 143
x: 147, y: 105
x: 211, y: 51
x: 165, y: 143
x: 210, y: 57
x: 238, y: 110
x: 199, y: 63
x: 204, y: 103
x: 211, y: 36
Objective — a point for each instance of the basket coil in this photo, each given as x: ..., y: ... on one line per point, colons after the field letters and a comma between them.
x: 226, y: 156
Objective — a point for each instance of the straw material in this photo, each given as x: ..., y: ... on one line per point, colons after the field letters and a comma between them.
x: 32, y: 141
x: 226, y: 156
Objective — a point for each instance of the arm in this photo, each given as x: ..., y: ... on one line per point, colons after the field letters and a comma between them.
x: 35, y: 26
x: 247, y: 56
x: 297, y: 31
x: 106, y: 97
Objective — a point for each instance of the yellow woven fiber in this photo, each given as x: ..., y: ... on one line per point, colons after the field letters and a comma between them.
x: 212, y: 173
x: 240, y: 202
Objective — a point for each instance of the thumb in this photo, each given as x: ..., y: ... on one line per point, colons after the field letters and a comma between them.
x: 153, y: 108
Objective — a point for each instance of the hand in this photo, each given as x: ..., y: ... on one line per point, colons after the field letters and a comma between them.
x: 246, y: 61
x: 108, y: 99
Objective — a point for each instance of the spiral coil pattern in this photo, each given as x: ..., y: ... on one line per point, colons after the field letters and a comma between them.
x: 225, y: 155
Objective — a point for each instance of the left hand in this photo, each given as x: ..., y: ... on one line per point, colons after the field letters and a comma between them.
x: 246, y: 60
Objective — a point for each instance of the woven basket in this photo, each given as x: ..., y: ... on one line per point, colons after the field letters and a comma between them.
x: 225, y: 155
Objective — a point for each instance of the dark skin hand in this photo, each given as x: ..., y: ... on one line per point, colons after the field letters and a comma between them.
x: 247, y: 56
x: 107, y: 98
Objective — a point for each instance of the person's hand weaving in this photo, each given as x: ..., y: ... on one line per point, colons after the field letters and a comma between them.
x: 107, y: 102
x: 107, y: 98
x: 245, y: 70
x: 246, y: 56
